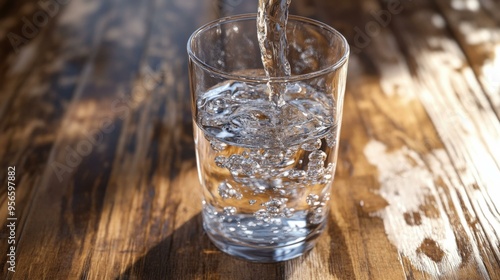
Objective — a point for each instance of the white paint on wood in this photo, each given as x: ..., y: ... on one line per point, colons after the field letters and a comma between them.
x: 406, y: 184
x: 76, y: 11
x: 491, y: 72
x: 471, y: 5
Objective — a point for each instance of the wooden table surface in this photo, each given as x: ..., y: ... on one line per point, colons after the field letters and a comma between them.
x: 95, y: 117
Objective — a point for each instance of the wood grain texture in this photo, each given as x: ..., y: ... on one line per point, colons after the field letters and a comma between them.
x: 95, y: 115
x: 476, y: 29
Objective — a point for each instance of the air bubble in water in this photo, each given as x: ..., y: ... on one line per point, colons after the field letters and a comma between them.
x: 315, y: 172
x: 218, y: 145
x: 327, y: 178
x: 328, y: 174
x: 313, y: 200
x: 297, y: 174
x: 273, y: 157
x: 257, y: 186
x: 288, y: 212
x: 317, y: 156
x: 249, y: 166
x: 326, y: 198
x: 316, y: 216
x: 312, y: 145
x: 234, y: 162
x: 216, y: 106
x: 275, y: 206
x: 227, y: 191
x: 220, y: 161
x: 228, y: 211
x: 262, y: 215
x: 331, y: 138
x: 281, y: 192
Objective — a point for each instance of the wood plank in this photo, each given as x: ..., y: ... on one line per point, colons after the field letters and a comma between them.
x: 72, y: 203
x: 468, y: 131
x: 479, y: 37
x: 36, y: 95
x: 492, y: 7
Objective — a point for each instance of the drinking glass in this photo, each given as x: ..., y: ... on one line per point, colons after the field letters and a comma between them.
x: 266, y: 167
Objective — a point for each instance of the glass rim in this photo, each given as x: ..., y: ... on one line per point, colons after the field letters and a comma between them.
x: 338, y: 63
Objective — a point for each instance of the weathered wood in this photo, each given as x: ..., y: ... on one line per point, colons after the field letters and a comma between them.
x: 477, y: 33
x: 95, y: 114
x: 39, y: 81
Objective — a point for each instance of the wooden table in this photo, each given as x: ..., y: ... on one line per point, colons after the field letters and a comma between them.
x: 95, y: 117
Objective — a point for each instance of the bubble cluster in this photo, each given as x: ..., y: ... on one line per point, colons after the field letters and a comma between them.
x: 312, y: 145
x: 277, y: 171
x: 275, y: 205
x: 229, y: 211
x: 220, y: 161
x: 243, y: 114
x: 328, y: 174
x: 316, y: 215
x: 262, y: 215
x: 297, y: 174
x: 317, y: 208
x: 218, y: 145
x: 313, y: 200
x: 216, y: 106
x: 274, y: 208
x: 238, y: 165
x: 261, y: 193
x: 317, y: 157
x: 271, y: 169
x: 288, y: 212
x: 227, y: 191
x: 331, y: 138
x: 315, y: 167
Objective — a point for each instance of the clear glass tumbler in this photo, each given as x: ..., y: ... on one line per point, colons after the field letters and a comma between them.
x: 266, y: 169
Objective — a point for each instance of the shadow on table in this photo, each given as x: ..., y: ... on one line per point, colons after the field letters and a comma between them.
x: 188, y: 254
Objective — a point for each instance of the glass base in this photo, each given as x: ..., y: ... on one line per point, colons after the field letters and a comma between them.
x: 263, y: 254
